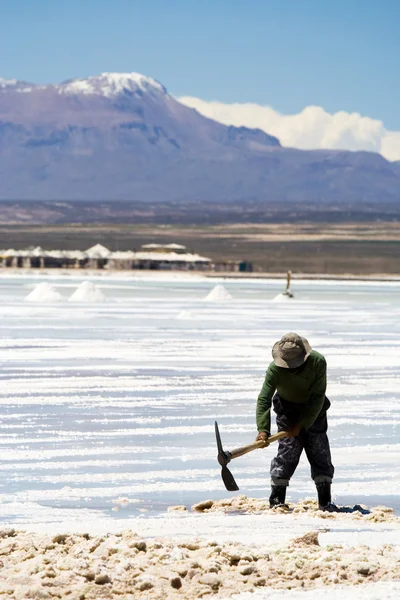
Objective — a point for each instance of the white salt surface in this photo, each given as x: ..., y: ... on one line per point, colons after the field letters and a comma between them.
x: 372, y: 591
x: 185, y: 315
x: 218, y: 294
x: 44, y: 292
x: 110, y: 400
x: 87, y: 292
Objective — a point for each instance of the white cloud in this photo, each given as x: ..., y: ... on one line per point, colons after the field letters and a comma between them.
x: 390, y: 147
x: 312, y: 128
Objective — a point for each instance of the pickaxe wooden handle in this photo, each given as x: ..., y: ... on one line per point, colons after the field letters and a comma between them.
x: 259, y: 444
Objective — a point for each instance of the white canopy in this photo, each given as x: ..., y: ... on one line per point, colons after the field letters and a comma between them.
x: 98, y: 251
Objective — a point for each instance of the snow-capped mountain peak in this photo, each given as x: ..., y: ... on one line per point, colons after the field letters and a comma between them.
x: 12, y: 84
x: 7, y: 82
x: 111, y: 84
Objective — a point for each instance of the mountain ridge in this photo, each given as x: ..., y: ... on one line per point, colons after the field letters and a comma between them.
x: 122, y: 136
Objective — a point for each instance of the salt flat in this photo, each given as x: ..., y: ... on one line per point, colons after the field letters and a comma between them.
x: 116, y: 400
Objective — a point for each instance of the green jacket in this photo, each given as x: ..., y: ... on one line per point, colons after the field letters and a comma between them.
x: 307, y: 387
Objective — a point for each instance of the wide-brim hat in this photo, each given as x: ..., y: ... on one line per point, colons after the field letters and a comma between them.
x: 291, y: 351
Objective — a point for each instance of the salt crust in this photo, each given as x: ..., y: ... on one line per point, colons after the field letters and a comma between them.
x: 245, y: 505
x: 127, y: 566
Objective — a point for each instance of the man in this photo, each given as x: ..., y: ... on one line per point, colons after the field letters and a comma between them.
x: 298, y: 376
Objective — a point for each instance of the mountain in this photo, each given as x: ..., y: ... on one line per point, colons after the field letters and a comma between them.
x: 123, y: 137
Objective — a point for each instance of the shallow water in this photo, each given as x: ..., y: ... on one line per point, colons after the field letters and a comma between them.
x: 118, y: 399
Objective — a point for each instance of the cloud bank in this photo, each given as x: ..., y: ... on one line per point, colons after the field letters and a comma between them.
x: 312, y: 128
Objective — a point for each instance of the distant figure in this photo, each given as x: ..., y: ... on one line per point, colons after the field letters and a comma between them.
x: 287, y: 292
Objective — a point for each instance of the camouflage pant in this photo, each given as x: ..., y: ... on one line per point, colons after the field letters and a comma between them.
x: 314, y: 441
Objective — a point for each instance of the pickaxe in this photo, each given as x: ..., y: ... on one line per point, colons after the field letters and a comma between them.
x: 225, y: 456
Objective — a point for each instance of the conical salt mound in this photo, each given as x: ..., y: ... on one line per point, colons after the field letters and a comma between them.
x: 218, y: 294
x: 44, y: 292
x: 282, y: 298
x: 87, y: 292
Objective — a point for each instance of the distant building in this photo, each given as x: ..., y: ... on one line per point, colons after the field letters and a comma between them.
x: 164, y: 248
x: 151, y: 256
x: 159, y: 257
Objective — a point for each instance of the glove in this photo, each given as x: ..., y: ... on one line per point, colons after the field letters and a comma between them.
x: 294, y: 431
x: 263, y: 435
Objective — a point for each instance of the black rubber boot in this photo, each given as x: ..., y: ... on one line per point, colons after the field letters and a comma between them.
x: 324, y: 495
x: 278, y: 496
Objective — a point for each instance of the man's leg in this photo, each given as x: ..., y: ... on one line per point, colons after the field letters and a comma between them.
x: 316, y: 445
x: 285, y: 462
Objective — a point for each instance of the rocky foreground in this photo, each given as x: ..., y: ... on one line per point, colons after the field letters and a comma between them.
x: 127, y: 566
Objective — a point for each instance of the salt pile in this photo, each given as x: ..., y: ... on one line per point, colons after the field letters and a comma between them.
x: 218, y: 294
x: 245, y: 505
x: 281, y: 298
x: 44, y: 292
x: 87, y: 292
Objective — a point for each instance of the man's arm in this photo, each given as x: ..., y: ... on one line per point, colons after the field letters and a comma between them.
x: 263, y: 412
x: 313, y: 407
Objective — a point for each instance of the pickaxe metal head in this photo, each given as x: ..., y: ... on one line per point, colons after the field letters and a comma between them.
x: 223, y: 459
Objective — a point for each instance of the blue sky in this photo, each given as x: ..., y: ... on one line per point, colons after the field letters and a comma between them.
x: 341, y: 55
